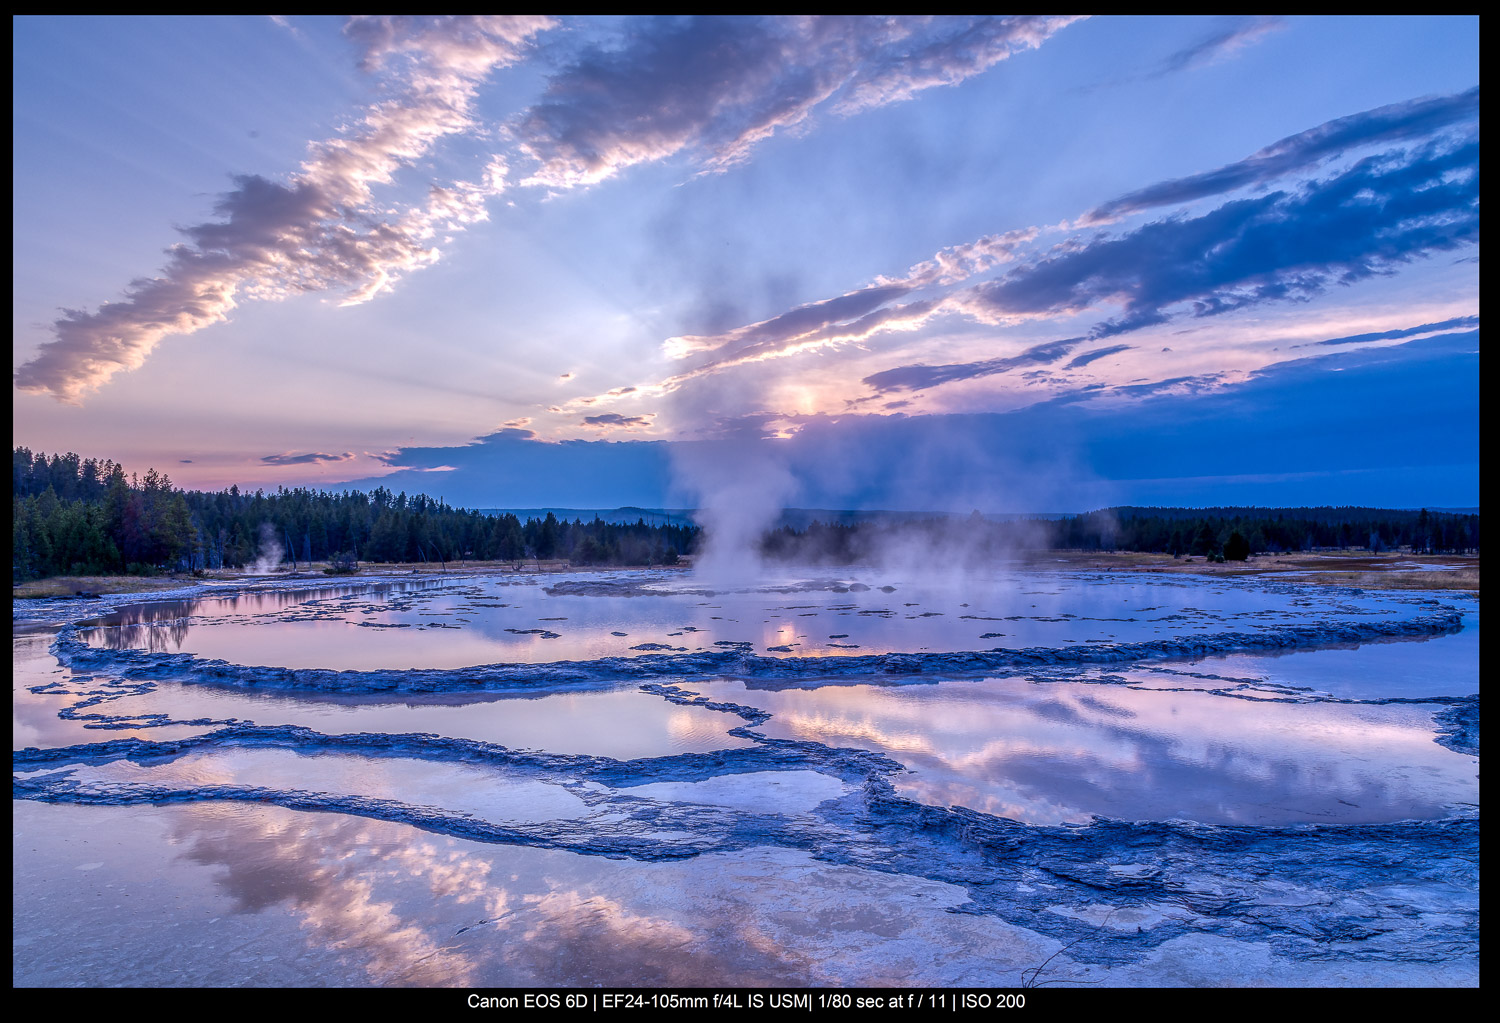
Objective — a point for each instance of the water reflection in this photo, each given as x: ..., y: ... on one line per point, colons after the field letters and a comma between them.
x: 162, y: 626
x: 486, y: 793
x: 245, y: 893
x: 358, y: 887
x: 1065, y: 752
x: 1442, y: 666
x: 449, y: 624
x: 623, y: 723
x: 415, y: 909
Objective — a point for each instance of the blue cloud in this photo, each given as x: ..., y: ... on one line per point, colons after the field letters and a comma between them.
x: 1285, y: 246
x: 287, y: 458
x: 1098, y: 353
x: 1241, y: 33
x: 915, y: 378
x: 1396, y: 426
x: 1387, y: 335
x: 1397, y: 122
x: 616, y: 419
x: 716, y: 86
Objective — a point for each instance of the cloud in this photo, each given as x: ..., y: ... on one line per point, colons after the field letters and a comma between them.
x: 759, y: 339
x: 507, y: 467
x: 287, y: 458
x: 1366, y: 220
x: 1285, y: 246
x: 614, y: 419
x: 846, y: 319
x: 960, y: 262
x: 322, y: 229
x: 1397, y: 122
x: 1298, y: 416
x: 1288, y: 246
x: 915, y: 378
x: 517, y: 428
x: 1387, y: 335
x: 1221, y: 44
x: 1098, y: 353
x: 714, y: 87
x: 1200, y: 383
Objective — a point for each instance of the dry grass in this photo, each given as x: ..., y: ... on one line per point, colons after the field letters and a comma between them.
x: 528, y: 567
x: 69, y: 585
x: 1459, y: 579
x: 1387, y: 571
x: 1392, y: 571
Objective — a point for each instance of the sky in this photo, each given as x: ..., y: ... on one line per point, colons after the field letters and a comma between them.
x: 1010, y: 263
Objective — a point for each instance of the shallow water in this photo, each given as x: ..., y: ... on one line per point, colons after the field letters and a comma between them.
x: 1065, y: 752
x: 215, y: 896
x: 623, y: 723
x: 1370, y: 671
x: 763, y: 821
x: 532, y: 621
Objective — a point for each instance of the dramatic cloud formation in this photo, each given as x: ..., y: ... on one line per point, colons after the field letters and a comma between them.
x: 322, y: 229
x: 714, y: 85
x: 1384, y: 210
x: 797, y: 325
x: 1398, y: 122
x: 717, y: 86
x: 1296, y: 417
x: 1286, y: 246
x: 736, y: 229
x: 846, y: 319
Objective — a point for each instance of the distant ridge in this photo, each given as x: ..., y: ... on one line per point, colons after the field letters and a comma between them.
x: 801, y: 518
x: 797, y: 518
x: 1316, y: 512
x: 616, y: 516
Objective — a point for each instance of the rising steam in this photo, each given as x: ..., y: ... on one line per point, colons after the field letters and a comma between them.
x: 268, y: 553
x: 739, y: 488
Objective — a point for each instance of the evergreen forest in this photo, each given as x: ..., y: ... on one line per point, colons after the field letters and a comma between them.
x: 74, y: 516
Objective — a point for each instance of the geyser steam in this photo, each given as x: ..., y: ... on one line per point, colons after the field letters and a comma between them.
x: 739, y: 488
x: 268, y: 554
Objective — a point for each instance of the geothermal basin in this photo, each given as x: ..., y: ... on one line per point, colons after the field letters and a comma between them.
x: 633, y: 778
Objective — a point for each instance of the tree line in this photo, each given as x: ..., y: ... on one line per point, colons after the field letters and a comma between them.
x: 73, y: 516
x: 87, y: 517
x: 1208, y: 531
x: 1216, y: 533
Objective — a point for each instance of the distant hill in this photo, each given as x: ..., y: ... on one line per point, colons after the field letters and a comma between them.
x: 627, y: 515
x: 796, y: 518
x: 801, y: 518
x: 1320, y: 513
